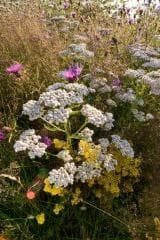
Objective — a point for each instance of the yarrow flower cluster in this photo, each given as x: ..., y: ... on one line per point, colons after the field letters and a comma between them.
x: 53, y: 104
x: 30, y: 141
x: 63, y: 176
x: 78, y: 51
x: 141, y: 116
x: 87, y: 134
x: 97, y: 117
x: 123, y: 145
x: 87, y: 172
x: 128, y: 96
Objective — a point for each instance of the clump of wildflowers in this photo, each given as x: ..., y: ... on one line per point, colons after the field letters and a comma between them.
x: 80, y: 156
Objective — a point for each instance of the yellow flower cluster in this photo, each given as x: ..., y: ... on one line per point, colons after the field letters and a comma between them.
x: 40, y: 218
x: 58, y: 208
x: 60, y: 144
x: 127, y: 166
x: 112, y: 181
x: 76, y: 197
x: 52, y: 189
x: 89, y: 151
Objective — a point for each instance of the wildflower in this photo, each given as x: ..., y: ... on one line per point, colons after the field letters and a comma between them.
x: 58, y: 208
x: 63, y: 176
x: 123, y: 145
x: 88, y: 171
x: 76, y: 197
x: 93, y: 115
x: 33, y: 109
x: 46, y: 140
x: 72, y: 73
x: 2, y: 136
x: 30, y: 141
x: 116, y: 84
x: 87, y: 134
x: 111, y: 102
x: 79, y: 51
x: 100, y: 84
x: 66, y: 5
x: 30, y: 195
x: 128, y: 96
x: 104, y: 143
x: 65, y: 156
x: 53, y: 190
x: 59, y: 115
x: 109, y: 162
x: 40, y: 218
x: 89, y: 151
x: 15, y: 68
x: 59, y: 144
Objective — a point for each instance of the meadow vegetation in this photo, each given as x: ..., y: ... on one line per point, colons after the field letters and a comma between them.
x: 122, y: 203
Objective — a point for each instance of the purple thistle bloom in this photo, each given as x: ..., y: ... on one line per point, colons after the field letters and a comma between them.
x: 14, y: 69
x: 47, y: 141
x: 72, y: 73
x: 2, y: 136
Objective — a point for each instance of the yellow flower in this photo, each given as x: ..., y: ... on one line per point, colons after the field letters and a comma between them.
x: 98, y: 193
x: 76, y: 197
x: 40, y: 218
x: 89, y: 151
x: 52, y: 189
x: 58, y: 208
x: 60, y: 144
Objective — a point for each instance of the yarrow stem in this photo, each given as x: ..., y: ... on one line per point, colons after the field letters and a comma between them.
x: 73, y: 113
x: 54, y: 126
x: 81, y: 128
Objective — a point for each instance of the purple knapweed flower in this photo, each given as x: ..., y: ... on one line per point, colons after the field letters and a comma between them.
x: 2, y: 136
x: 72, y: 73
x: 46, y: 140
x: 15, y: 68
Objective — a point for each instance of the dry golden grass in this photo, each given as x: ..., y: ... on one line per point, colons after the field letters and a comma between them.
x: 25, y: 38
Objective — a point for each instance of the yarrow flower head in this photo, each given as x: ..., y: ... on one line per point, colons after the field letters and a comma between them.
x: 72, y: 73
x: 123, y: 145
x: 30, y: 141
x: 2, y: 136
x: 15, y: 68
